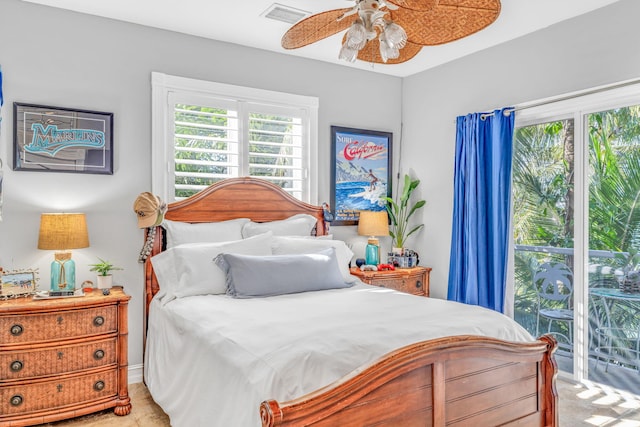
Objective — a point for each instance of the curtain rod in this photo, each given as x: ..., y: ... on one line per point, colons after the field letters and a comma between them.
x: 567, y: 97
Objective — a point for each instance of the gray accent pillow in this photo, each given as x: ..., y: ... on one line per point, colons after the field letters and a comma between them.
x: 260, y: 276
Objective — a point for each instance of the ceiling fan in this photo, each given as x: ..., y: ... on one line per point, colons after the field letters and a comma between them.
x: 393, y: 31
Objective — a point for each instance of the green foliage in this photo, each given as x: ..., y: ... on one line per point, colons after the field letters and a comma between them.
x: 103, y: 268
x: 400, y: 212
x: 542, y: 194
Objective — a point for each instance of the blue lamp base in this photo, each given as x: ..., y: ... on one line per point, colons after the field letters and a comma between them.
x: 372, y: 252
x: 63, y: 272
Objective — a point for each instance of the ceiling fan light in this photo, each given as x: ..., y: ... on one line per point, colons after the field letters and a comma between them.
x: 395, y: 35
x: 356, y: 36
x: 387, y: 50
x: 348, y: 54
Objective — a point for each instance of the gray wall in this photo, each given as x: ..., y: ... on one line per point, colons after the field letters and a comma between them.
x: 588, y: 51
x: 55, y: 57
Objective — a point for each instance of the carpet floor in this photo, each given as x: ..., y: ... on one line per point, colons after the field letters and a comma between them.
x: 585, y: 404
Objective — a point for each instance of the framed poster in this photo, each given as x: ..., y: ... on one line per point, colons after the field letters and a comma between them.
x: 360, y: 172
x: 56, y: 139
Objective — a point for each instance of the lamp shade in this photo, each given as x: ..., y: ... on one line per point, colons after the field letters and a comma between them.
x: 373, y: 223
x: 62, y: 231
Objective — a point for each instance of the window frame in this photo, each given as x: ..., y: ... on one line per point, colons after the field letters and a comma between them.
x: 166, y: 87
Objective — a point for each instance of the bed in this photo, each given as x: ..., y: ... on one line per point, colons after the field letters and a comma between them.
x: 351, y: 356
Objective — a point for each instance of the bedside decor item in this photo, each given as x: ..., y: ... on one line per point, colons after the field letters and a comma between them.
x: 18, y: 283
x: 104, y: 268
x: 400, y: 212
x: 373, y: 224
x: 360, y: 172
x: 56, y: 139
x: 150, y: 210
x: 403, y: 259
x: 62, y: 232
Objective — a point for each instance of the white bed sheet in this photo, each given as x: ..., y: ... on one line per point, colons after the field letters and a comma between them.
x: 210, y: 360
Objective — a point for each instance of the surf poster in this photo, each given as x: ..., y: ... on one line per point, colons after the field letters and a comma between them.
x: 361, y: 172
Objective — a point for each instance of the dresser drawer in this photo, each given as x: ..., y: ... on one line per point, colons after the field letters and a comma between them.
x: 22, y: 364
x: 44, y: 327
x: 410, y: 284
x: 57, y: 393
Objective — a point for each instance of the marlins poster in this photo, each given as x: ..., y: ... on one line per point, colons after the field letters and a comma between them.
x: 361, y: 172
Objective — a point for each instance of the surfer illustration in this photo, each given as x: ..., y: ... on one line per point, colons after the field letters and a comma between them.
x: 373, y: 180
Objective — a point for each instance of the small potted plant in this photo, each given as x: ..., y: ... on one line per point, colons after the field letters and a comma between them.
x: 104, y: 269
x: 629, y: 278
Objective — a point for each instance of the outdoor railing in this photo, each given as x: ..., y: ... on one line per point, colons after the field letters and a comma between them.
x: 614, y: 320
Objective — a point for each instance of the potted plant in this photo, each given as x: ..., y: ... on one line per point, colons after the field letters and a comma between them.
x: 400, y: 212
x: 629, y: 278
x: 104, y: 269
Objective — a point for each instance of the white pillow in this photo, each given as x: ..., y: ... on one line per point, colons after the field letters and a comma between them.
x: 296, y: 225
x: 282, y: 245
x: 188, y: 269
x: 179, y: 233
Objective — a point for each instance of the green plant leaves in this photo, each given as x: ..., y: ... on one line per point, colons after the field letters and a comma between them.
x: 399, y: 212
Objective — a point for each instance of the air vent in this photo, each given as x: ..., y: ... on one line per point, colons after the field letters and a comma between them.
x: 284, y: 13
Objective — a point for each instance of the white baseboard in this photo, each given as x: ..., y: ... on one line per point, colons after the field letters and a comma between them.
x: 135, y: 374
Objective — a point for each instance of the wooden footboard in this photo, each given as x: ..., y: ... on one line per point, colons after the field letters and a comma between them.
x: 453, y: 381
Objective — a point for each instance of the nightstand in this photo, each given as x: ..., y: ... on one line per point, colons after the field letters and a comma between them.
x: 410, y: 280
x: 61, y: 358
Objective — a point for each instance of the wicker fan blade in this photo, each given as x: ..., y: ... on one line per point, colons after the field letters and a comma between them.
x: 448, y: 21
x: 371, y: 53
x: 421, y: 5
x: 316, y: 27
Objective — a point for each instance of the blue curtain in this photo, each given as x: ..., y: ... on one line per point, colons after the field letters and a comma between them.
x: 481, y: 214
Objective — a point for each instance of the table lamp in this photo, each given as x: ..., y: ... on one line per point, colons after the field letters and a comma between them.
x: 62, y: 232
x: 373, y: 224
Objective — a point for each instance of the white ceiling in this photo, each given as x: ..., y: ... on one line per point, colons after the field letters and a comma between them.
x: 240, y: 22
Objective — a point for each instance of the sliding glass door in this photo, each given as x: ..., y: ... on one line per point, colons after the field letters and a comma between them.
x: 543, y: 189
x: 576, y: 230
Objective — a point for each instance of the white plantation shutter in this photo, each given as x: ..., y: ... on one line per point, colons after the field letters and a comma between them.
x: 222, y: 131
x: 206, y: 147
x: 275, y: 150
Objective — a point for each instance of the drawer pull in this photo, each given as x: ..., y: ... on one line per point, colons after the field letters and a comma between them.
x: 419, y: 284
x: 16, y: 400
x: 16, y: 330
x: 98, y: 321
x: 98, y: 354
x: 99, y: 385
x: 60, y: 319
x: 16, y: 366
x: 60, y: 355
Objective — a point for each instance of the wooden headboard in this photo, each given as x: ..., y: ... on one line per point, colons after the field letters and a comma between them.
x: 252, y: 198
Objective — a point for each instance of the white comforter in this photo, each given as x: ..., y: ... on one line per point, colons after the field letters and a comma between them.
x: 211, y: 360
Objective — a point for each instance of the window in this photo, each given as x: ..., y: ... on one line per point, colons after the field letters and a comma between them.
x: 204, y: 132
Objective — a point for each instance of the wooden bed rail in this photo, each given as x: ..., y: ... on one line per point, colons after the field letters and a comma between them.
x: 452, y: 381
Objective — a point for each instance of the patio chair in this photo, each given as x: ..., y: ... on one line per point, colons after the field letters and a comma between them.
x: 554, y: 284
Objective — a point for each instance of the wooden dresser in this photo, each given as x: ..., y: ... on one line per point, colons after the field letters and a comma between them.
x: 61, y: 358
x: 410, y: 280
